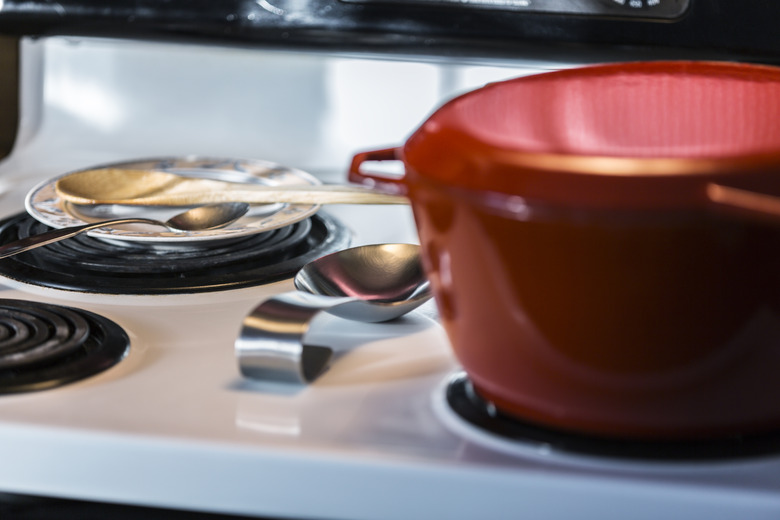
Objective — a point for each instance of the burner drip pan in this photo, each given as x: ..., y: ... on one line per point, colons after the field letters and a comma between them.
x: 104, y: 266
x: 44, y: 346
x: 469, y: 406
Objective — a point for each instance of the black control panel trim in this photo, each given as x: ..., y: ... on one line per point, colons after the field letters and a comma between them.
x: 720, y: 28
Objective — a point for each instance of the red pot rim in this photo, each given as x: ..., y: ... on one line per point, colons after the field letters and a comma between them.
x: 465, y: 143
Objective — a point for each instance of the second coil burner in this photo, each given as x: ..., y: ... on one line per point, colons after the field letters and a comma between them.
x: 44, y: 346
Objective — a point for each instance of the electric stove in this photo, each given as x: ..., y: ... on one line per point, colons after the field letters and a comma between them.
x: 166, y: 425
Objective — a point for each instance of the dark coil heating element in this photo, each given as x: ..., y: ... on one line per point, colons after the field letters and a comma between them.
x: 88, y: 264
x: 464, y: 400
x: 44, y: 346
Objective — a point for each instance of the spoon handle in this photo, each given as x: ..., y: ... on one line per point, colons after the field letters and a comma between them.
x: 317, y: 194
x: 272, y: 345
x: 49, y: 237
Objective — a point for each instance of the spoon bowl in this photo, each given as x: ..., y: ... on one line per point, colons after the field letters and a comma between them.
x: 370, y: 283
x: 210, y: 216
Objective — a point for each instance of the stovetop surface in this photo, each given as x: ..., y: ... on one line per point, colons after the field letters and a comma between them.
x: 174, y: 425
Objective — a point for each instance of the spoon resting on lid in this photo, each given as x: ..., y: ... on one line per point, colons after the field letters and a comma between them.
x: 155, y: 188
x: 211, y: 216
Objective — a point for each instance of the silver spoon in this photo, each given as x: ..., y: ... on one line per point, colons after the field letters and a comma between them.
x: 370, y: 283
x: 210, y: 216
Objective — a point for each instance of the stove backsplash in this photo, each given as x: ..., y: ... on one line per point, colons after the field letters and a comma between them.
x: 103, y: 100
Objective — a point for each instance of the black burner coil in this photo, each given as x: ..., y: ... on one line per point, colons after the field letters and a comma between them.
x: 481, y: 414
x: 96, y: 265
x: 44, y: 346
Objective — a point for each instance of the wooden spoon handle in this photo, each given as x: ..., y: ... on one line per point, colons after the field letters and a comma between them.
x: 304, y: 194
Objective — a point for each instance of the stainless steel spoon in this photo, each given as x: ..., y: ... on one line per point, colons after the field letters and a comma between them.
x: 210, y: 216
x: 369, y: 283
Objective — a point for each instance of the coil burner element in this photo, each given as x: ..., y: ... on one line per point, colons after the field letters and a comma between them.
x: 485, y: 419
x: 44, y: 346
x: 93, y: 265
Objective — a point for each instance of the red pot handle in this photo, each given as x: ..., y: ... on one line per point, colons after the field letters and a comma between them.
x: 382, y: 182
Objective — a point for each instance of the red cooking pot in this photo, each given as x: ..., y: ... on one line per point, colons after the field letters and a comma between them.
x: 604, y: 245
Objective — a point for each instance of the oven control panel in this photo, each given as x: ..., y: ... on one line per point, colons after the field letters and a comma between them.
x: 647, y: 9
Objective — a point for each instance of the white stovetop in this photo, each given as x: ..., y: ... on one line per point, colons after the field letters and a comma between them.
x: 174, y: 425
